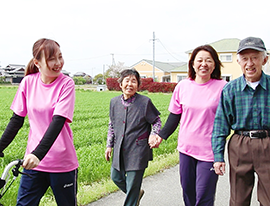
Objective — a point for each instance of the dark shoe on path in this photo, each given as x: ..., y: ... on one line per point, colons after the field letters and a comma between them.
x: 140, y: 197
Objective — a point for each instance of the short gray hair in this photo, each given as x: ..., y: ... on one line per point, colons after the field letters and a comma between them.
x: 264, y: 53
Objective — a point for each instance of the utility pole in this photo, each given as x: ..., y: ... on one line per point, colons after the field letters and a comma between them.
x: 113, y: 62
x: 103, y: 74
x: 154, y: 56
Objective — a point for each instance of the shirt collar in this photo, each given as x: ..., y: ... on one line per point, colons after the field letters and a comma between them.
x: 128, y: 101
x: 262, y: 82
x: 243, y: 83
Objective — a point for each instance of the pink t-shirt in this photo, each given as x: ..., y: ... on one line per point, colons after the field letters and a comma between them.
x: 198, y: 104
x: 40, y: 102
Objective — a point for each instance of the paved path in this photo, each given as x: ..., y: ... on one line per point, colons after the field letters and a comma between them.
x: 163, y: 189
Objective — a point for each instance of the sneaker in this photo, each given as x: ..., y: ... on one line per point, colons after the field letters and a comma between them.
x: 140, y: 197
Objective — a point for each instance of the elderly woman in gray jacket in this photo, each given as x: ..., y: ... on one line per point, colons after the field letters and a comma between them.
x: 133, y: 118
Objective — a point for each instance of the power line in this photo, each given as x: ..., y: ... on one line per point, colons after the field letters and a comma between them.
x: 97, y: 57
x: 132, y: 54
x: 169, y: 51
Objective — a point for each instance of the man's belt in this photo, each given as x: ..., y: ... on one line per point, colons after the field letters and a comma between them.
x: 254, y: 133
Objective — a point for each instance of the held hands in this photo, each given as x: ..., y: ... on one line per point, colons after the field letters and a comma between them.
x: 154, y: 141
x: 108, y: 153
x: 30, y: 161
x: 219, y: 168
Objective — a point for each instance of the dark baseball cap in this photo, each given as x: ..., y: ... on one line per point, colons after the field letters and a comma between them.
x: 251, y: 43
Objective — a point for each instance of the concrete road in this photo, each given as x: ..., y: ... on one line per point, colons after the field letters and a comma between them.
x: 163, y: 189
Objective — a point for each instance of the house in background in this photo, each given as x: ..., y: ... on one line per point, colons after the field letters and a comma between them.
x: 13, y: 73
x: 179, y: 73
x: 65, y: 72
x: 227, y: 52
x: 79, y: 74
x: 162, y: 69
x: 88, y: 78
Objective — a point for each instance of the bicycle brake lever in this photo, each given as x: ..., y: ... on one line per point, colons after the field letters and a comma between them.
x: 23, y: 173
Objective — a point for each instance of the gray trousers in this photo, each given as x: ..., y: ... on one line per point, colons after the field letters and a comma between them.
x: 129, y: 182
x: 247, y: 156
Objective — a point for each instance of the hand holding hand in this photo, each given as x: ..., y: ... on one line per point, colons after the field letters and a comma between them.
x: 219, y: 168
x: 108, y: 153
x: 154, y: 141
x: 30, y: 161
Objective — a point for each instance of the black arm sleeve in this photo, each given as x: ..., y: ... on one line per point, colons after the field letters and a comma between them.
x: 49, y: 137
x: 170, y: 125
x: 14, y: 125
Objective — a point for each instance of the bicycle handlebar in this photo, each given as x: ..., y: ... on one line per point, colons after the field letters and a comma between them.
x: 16, y: 163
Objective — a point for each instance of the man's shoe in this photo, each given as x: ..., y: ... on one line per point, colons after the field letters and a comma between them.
x: 140, y: 197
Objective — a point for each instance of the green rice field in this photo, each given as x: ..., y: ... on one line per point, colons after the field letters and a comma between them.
x: 89, y: 126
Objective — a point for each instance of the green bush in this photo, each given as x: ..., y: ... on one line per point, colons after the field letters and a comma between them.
x: 3, y: 80
x: 79, y: 80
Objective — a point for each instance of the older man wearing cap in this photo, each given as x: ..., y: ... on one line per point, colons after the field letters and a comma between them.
x: 245, y: 108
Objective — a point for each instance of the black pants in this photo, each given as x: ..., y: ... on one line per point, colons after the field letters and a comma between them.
x: 64, y: 187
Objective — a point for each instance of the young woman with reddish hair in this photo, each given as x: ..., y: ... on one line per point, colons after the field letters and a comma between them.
x: 47, y: 96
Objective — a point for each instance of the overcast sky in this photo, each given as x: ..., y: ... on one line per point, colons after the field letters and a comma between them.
x: 92, y: 32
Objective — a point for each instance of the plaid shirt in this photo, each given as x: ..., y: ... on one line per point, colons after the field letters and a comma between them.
x: 240, y: 108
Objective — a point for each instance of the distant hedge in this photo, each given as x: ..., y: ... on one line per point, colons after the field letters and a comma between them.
x: 112, y: 84
x: 163, y: 87
x: 146, y: 84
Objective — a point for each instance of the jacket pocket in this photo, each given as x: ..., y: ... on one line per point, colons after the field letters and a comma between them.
x: 143, y: 139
